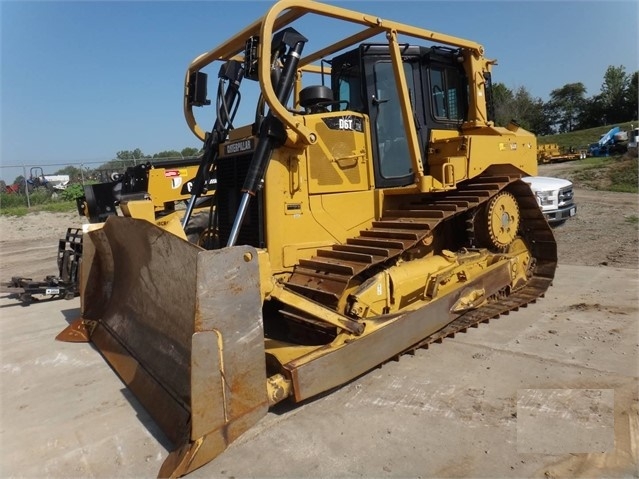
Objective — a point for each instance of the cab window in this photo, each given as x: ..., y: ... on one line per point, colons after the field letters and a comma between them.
x: 391, y: 135
x: 446, y: 94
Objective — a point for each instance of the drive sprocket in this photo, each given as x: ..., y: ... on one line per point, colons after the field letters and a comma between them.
x: 497, y: 223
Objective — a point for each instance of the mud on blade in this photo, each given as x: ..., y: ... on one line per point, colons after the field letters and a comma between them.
x: 183, y: 328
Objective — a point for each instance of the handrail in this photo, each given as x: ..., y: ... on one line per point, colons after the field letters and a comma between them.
x: 284, y: 13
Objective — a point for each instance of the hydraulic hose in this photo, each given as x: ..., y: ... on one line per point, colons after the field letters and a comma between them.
x: 268, y: 137
x: 233, y: 71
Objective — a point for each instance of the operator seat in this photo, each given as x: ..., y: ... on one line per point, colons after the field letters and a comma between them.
x: 316, y: 99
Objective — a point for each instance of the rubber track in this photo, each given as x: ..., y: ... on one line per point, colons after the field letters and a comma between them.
x: 325, y: 277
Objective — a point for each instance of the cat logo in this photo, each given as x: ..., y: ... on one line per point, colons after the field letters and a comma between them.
x: 239, y: 147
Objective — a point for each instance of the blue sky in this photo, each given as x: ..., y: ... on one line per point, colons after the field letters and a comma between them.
x: 82, y: 80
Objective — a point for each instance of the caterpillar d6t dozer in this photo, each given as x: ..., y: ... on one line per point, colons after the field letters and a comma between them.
x: 370, y: 208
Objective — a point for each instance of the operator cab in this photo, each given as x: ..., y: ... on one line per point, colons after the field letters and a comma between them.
x: 363, y: 81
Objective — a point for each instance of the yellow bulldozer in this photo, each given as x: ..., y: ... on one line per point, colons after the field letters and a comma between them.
x: 153, y: 190
x: 370, y: 208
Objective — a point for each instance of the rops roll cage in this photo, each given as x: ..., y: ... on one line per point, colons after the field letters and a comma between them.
x: 243, y: 56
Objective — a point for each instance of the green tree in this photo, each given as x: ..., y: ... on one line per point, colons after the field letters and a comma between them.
x: 592, y: 114
x: 130, y: 155
x: 503, y: 98
x: 75, y: 174
x: 123, y: 159
x: 173, y: 154
x: 538, y: 118
x: 633, y: 99
x: 523, y: 107
x: 614, y: 94
x: 519, y: 105
x: 566, y: 105
x: 189, y: 151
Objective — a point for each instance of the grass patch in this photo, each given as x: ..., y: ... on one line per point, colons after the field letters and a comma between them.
x: 616, y: 173
x: 625, y: 177
x: 15, y: 204
x: 609, y: 173
x: 595, y: 162
x: 632, y: 219
x: 582, y: 138
x: 52, y: 207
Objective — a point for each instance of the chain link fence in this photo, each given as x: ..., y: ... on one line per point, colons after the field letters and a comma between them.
x: 33, y: 181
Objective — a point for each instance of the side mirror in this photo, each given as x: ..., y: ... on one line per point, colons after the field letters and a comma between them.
x: 197, y: 89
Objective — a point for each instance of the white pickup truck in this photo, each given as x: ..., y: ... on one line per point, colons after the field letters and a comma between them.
x: 554, y: 196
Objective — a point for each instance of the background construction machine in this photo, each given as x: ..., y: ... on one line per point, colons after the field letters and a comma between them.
x: 154, y: 191
x: 63, y: 285
x: 376, y: 211
x: 613, y: 142
x: 162, y: 186
x: 553, y: 153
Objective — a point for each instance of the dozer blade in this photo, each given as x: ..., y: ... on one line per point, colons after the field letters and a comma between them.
x: 183, y: 329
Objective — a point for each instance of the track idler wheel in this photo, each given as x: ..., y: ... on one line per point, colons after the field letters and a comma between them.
x: 497, y: 222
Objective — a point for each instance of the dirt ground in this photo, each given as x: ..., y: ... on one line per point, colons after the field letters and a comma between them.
x: 588, y: 329
x: 605, y: 230
x: 29, y: 244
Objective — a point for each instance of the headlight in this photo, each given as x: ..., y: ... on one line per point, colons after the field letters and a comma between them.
x: 544, y: 198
